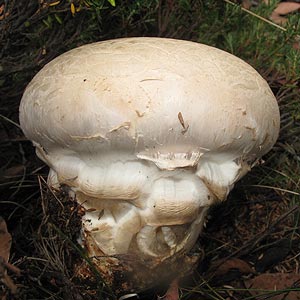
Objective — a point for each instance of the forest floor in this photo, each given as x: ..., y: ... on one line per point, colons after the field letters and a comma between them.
x: 251, y: 241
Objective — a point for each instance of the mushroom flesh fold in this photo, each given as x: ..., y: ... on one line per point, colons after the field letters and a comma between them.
x: 148, y: 133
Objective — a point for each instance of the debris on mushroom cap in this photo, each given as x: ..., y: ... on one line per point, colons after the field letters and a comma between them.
x: 148, y: 133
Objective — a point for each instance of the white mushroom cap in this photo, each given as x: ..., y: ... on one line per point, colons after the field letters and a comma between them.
x: 128, y: 95
x: 148, y: 132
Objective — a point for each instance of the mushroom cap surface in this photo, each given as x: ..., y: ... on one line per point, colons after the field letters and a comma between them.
x: 172, y: 102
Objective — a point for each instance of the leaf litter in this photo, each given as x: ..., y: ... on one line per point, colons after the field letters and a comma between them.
x: 269, y: 284
x: 5, y: 240
x: 221, y: 268
x: 236, y: 260
x: 5, y: 245
x: 279, y: 14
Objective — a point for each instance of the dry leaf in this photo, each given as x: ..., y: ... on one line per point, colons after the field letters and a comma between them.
x: 232, y: 264
x: 2, y: 14
x: 266, y: 283
x: 72, y: 8
x: 246, y: 4
x: 278, y: 19
x: 283, y: 9
x: 14, y: 171
x: 172, y: 292
x: 5, y: 244
x: 9, y: 283
x: 296, y: 45
x: 5, y: 240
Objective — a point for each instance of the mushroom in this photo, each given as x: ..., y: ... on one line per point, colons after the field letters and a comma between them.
x: 147, y: 133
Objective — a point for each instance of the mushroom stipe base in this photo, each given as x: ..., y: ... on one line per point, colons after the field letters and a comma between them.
x: 128, y: 273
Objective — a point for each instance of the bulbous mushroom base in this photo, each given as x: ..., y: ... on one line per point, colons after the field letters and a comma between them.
x: 131, y: 273
x: 144, y: 238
